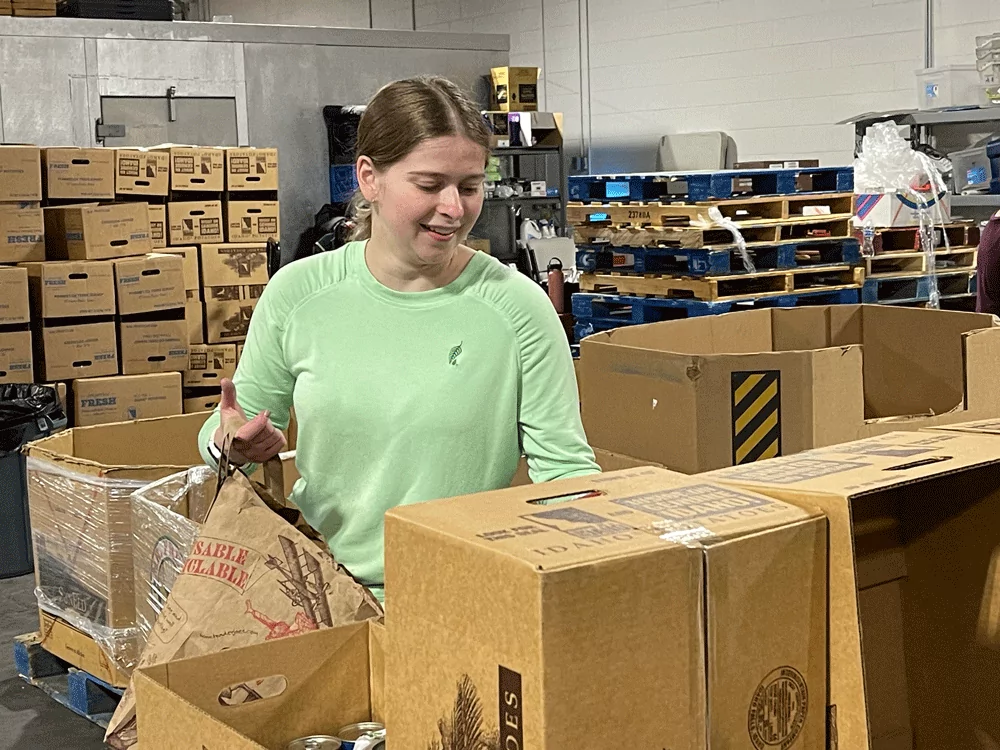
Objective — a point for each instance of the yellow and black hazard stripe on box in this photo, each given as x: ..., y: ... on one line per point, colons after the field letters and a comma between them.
x: 756, y: 415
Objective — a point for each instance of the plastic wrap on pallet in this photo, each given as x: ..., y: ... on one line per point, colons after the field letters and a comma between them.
x: 82, y: 531
x: 887, y: 164
x: 166, y: 517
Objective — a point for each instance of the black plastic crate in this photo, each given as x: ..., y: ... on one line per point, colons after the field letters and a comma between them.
x: 127, y: 10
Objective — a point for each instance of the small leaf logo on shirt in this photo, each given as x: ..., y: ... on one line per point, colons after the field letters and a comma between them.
x: 454, y: 354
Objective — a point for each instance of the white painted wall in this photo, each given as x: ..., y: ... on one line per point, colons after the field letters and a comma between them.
x: 379, y: 14
x: 775, y: 74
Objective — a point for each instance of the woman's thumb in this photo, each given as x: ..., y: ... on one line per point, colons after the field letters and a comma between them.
x: 228, y: 400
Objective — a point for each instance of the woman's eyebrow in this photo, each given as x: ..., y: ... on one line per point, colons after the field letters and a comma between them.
x: 439, y: 176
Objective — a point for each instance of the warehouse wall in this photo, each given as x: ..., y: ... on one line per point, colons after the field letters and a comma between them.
x: 774, y: 74
x: 376, y: 14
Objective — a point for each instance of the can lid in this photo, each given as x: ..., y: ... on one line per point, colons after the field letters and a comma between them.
x: 365, y: 730
x: 316, y: 742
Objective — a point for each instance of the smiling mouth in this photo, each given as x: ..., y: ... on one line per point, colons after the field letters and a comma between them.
x: 441, y: 234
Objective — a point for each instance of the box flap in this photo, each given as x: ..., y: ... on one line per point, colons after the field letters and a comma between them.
x: 865, y: 466
x: 978, y: 427
x: 579, y: 521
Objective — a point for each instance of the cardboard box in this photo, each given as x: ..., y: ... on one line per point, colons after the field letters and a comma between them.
x: 712, y: 602
x: 69, y: 352
x: 239, y: 353
x: 126, y: 397
x: 913, y: 582
x: 71, y: 289
x: 158, y: 226
x: 897, y: 209
x: 153, y: 283
x: 227, y: 322
x: 78, y: 493
x: 79, y: 173
x: 141, y: 172
x: 199, y: 404
x: 16, y: 365
x: 14, y: 309
x: 194, y: 222
x: 93, y: 232
x: 22, y: 233
x: 61, y: 639
x: 713, y: 391
x: 515, y: 89
x: 234, y: 264
x: 194, y: 315
x: 341, y: 669
x: 251, y: 169
x: 252, y: 221
x: 233, y: 293
x: 192, y: 274
x: 195, y: 168
x: 154, y: 346
x: 208, y: 365
x: 20, y: 174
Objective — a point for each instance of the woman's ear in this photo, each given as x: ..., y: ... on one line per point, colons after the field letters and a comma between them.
x: 367, y: 178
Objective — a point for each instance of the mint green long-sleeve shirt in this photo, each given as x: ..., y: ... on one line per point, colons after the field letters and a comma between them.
x: 406, y: 397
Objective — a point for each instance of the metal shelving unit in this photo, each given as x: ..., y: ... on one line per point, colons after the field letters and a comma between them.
x: 975, y: 201
x: 923, y: 122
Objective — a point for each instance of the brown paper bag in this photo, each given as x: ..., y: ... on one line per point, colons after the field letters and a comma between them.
x: 251, y: 577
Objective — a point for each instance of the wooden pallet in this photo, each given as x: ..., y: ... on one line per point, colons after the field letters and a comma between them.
x: 896, y: 264
x: 726, y: 288
x: 745, y: 213
x: 907, y: 288
x: 907, y: 239
x: 768, y: 233
x: 75, y: 689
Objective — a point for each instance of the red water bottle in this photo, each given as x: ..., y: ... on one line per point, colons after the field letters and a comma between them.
x: 556, y: 281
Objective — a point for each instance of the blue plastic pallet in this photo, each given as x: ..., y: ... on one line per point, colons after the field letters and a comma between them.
x: 709, y: 262
x: 703, y: 186
x: 906, y: 289
x: 599, y: 312
x: 75, y: 689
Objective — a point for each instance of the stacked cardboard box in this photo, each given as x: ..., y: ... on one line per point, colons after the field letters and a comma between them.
x: 22, y: 231
x: 144, y: 175
x: 197, y: 181
x: 35, y: 8
x: 251, y: 204
x: 233, y: 277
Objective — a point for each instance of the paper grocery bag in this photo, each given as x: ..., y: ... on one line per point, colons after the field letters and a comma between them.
x: 251, y: 577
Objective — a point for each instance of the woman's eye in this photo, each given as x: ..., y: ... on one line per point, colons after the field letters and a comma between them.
x: 470, y: 190
x: 429, y: 188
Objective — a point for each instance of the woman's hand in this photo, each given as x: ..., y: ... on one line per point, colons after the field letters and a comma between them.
x: 254, y: 440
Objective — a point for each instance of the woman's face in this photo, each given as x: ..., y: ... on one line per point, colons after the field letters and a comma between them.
x: 428, y: 202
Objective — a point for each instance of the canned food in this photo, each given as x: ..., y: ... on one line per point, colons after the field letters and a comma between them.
x: 365, y: 735
x: 316, y: 742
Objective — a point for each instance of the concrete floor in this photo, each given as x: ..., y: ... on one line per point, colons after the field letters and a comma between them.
x: 29, y: 719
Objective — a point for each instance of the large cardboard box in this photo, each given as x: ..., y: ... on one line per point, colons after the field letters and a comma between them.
x: 196, y: 168
x: 153, y: 346
x: 914, y: 534
x: 79, y: 173
x: 71, y: 289
x: 153, y: 283
x: 199, y: 404
x: 73, y: 645
x: 206, y: 699
x: 158, y: 226
x: 252, y: 221
x: 14, y: 309
x: 194, y: 221
x: 898, y: 210
x: 515, y: 89
x: 79, y: 482
x: 22, y: 232
x: 227, y: 321
x: 249, y: 169
x: 719, y: 390
x: 194, y: 314
x: 68, y: 352
x: 518, y: 605
x: 16, y: 364
x: 126, y: 397
x: 192, y: 274
x: 20, y: 174
x: 233, y: 264
x: 208, y: 365
x: 93, y: 232
x: 141, y: 172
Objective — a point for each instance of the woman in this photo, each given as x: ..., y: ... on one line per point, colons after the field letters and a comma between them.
x: 418, y: 368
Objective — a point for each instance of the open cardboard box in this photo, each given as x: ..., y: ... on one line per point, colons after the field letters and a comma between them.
x: 640, y: 604
x: 914, y: 572
x: 714, y: 391
x: 315, y: 684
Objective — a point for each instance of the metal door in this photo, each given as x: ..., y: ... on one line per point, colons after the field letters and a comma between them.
x: 148, y: 121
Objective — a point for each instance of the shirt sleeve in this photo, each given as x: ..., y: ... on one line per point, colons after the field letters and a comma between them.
x: 551, y: 429
x: 263, y: 379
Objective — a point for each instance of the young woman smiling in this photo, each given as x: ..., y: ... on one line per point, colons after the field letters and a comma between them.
x: 418, y: 368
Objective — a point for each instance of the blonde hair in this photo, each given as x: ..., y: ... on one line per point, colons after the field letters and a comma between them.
x: 401, y: 116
